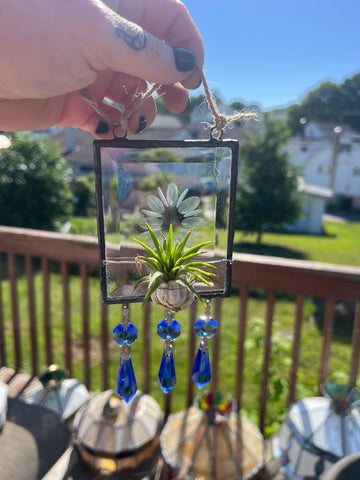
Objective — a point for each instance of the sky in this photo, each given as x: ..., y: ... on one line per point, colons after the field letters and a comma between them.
x: 271, y: 52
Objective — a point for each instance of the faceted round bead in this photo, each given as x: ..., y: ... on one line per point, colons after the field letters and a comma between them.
x: 125, y: 336
x: 204, y: 327
x: 168, y: 331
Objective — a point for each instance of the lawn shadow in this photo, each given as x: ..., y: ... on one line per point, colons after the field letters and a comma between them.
x: 343, y: 319
x: 269, y: 250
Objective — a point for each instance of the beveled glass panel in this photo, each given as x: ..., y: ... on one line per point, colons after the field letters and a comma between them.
x: 187, y: 184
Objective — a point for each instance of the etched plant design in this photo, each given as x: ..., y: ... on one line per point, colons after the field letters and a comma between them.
x: 172, y: 208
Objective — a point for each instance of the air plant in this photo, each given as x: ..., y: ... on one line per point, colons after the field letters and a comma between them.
x: 173, y: 270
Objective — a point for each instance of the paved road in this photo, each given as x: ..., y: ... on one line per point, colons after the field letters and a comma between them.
x: 351, y: 217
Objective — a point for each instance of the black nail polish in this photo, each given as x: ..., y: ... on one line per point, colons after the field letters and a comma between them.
x: 102, y: 128
x: 184, y: 59
x: 198, y: 85
x: 142, y: 124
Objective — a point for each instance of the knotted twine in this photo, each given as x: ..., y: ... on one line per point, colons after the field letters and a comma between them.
x: 221, y: 121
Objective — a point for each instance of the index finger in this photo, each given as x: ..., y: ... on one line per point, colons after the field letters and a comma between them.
x: 168, y: 20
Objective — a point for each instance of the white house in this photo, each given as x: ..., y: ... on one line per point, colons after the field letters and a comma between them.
x: 329, y: 157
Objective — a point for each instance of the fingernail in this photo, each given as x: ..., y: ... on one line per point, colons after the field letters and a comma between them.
x: 102, y: 128
x: 142, y: 124
x: 184, y: 59
x: 188, y: 106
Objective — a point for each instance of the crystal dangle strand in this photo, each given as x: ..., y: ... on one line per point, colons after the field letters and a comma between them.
x: 125, y: 334
x: 168, y: 330
x: 205, y: 327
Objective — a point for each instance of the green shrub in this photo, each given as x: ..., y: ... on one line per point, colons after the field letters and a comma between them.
x: 34, y: 187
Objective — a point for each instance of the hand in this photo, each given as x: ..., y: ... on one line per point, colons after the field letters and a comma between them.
x: 51, y: 49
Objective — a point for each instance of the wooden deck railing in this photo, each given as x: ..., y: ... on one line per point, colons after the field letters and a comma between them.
x: 301, y: 278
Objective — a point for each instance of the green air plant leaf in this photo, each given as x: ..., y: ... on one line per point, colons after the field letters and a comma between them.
x: 170, y: 261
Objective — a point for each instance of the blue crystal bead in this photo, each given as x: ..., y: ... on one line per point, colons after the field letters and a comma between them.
x: 168, y: 331
x: 126, y: 385
x: 201, y: 373
x: 167, y: 377
x: 205, y: 327
x: 125, y: 336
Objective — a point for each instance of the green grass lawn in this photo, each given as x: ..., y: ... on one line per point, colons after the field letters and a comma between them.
x: 340, y: 244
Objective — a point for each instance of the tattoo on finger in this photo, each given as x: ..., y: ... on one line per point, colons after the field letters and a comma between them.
x: 132, y: 35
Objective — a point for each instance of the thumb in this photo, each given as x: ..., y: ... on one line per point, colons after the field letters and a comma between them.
x: 125, y: 47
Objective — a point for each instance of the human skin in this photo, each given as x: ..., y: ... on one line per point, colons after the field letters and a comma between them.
x: 51, y: 49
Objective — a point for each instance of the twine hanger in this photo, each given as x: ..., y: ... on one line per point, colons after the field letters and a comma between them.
x: 221, y: 121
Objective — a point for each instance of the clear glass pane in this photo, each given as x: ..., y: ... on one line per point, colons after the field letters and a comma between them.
x: 187, y: 188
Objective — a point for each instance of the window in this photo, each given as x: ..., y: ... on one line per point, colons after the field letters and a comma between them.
x: 344, y: 147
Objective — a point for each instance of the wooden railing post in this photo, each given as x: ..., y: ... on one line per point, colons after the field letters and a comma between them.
x: 216, y: 345
x: 2, y: 321
x: 32, y: 314
x: 266, y: 360
x: 66, y: 316
x: 354, y: 366
x: 104, y: 347
x: 146, y: 348
x: 14, y: 310
x: 191, y: 353
x: 46, y: 310
x: 85, y: 323
x: 327, y: 335
x: 241, y: 345
x: 296, y: 347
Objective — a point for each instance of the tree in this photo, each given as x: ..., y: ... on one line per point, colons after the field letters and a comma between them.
x: 34, y: 188
x: 325, y: 103
x: 162, y: 155
x: 267, y: 191
x: 84, y: 196
x: 329, y: 102
x: 237, y: 106
x: 152, y: 182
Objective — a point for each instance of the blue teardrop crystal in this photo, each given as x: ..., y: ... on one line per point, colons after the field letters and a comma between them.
x: 168, y: 331
x: 126, y: 385
x: 205, y: 327
x: 167, y: 377
x: 201, y: 373
x: 125, y: 336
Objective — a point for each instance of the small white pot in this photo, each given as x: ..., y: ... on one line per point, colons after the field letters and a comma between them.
x: 172, y: 296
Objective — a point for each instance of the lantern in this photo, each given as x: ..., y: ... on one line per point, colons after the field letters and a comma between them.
x: 113, y: 435
x: 57, y: 392
x: 318, y: 432
x: 211, y: 441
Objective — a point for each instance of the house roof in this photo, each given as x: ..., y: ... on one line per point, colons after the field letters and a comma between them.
x: 315, y: 190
